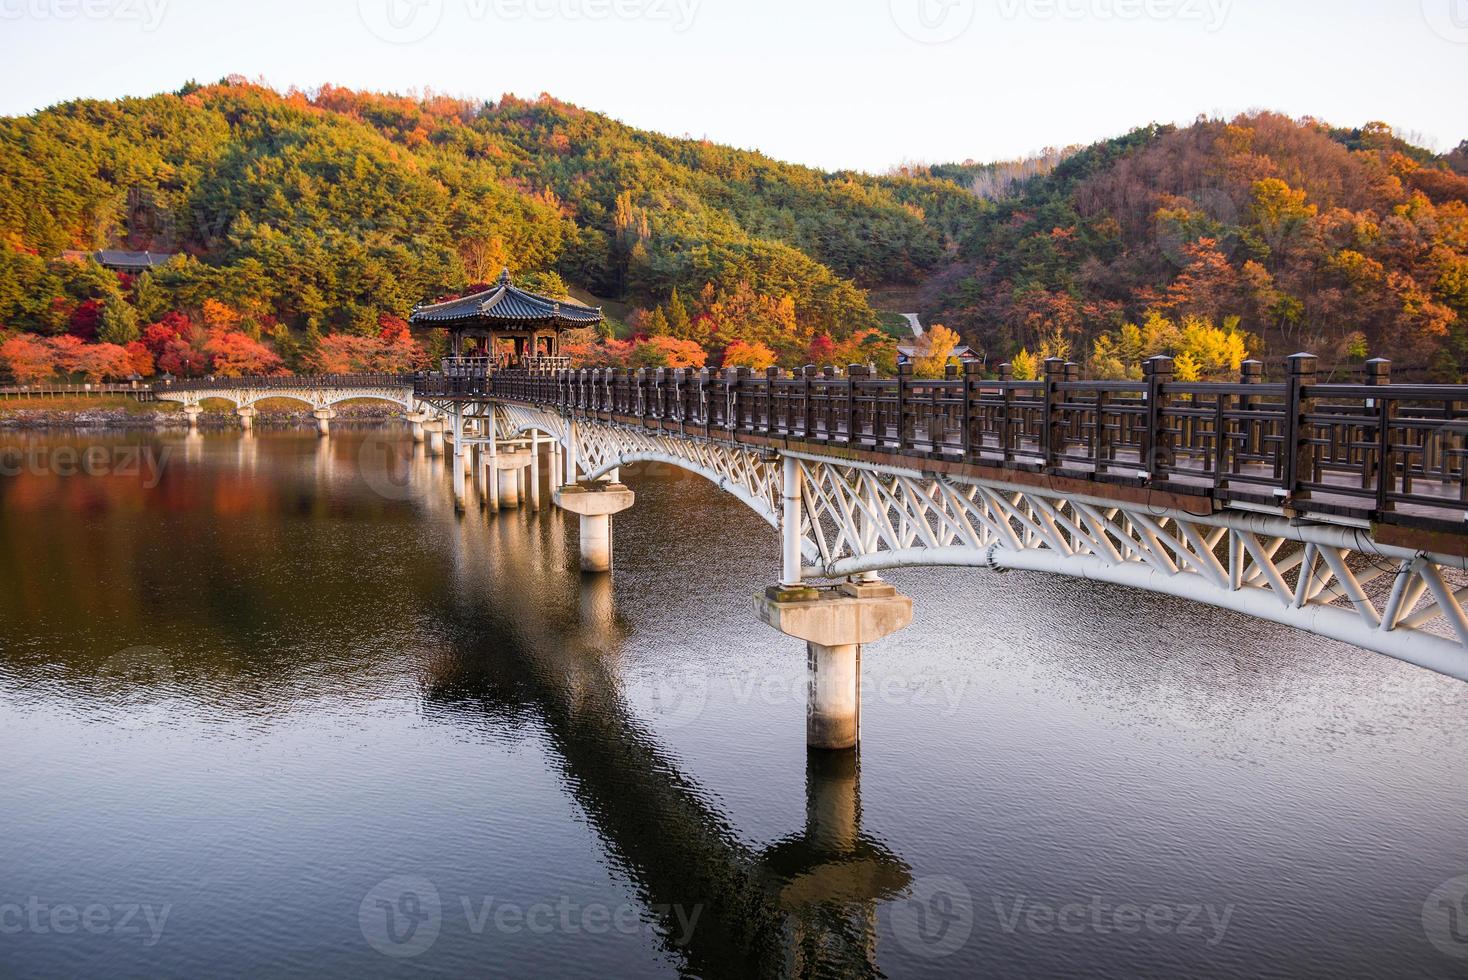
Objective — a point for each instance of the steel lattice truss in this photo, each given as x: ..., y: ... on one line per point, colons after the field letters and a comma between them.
x: 751, y: 474
x: 316, y: 397
x: 1331, y: 580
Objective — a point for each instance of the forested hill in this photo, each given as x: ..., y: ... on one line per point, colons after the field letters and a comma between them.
x: 331, y: 209
x: 1347, y: 243
x: 295, y: 217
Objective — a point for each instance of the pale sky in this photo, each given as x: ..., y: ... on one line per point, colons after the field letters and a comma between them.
x: 832, y: 83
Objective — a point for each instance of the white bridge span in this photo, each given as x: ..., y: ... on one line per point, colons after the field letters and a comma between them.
x: 841, y: 516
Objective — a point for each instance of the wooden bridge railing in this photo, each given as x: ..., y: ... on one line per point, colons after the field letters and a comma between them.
x: 1356, y: 449
x: 139, y: 391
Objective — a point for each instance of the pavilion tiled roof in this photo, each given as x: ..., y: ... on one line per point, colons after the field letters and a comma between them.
x: 114, y: 258
x: 508, y: 304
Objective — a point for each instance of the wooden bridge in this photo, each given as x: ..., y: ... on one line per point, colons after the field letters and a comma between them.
x: 1340, y: 509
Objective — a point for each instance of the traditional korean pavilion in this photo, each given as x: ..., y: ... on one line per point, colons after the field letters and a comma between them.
x: 531, y: 323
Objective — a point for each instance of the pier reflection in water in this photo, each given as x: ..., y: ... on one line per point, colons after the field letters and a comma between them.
x: 805, y: 906
x: 285, y: 672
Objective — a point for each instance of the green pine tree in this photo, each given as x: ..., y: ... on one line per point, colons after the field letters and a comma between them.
x: 286, y: 346
x: 680, y: 325
x: 656, y: 323
x: 119, y: 322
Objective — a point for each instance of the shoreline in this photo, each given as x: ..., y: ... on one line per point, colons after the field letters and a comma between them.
x: 28, y: 419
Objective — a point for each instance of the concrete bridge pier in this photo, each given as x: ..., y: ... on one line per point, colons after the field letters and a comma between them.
x: 595, y: 503
x: 415, y: 424
x: 192, y: 412
x: 509, y: 467
x: 460, y: 466
x: 834, y: 625
x: 323, y: 420
x: 532, y: 472
x: 247, y: 418
x: 489, y: 481
x: 434, y: 428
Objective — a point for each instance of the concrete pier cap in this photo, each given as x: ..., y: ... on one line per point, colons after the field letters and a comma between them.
x: 835, y: 623
x: 595, y: 503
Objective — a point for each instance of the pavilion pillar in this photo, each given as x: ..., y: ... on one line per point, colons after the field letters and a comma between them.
x: 595, y: 503
x: 834, y: 625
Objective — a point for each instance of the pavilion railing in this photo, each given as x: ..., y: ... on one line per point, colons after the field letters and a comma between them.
x: 1363, y: 448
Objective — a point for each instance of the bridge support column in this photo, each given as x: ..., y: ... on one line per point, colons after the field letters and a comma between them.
x: 415, y: 423
x: 532, y: 472
x: 595, y: 503
x: 508, y: 467
x: 834, y: 626
x: 460, y: 465
x: 323, y: 420
x: 489, y: 473
x: 247, y: 418
x: 192, y: 412
x: 434, y: 428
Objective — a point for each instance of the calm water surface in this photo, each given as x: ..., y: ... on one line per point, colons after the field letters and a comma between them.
x: 285, y: 706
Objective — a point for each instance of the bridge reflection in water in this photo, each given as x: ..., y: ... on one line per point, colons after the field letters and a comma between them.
x: 802, y: 906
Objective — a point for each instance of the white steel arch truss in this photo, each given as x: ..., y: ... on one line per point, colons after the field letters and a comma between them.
x: 1331, y: 580
x: 316, y: 398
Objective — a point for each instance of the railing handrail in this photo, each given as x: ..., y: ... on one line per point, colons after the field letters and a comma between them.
x: 1375, y: 446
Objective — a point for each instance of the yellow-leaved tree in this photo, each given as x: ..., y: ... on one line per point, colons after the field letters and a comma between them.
x: 1026, y: 365
x: 933, y: 353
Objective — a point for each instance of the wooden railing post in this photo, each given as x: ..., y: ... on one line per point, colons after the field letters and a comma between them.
x: 1157, y: 439
x: 807, y: 413
x: 973, y: 377
x: 1299, y: 454
x: 828, y: 401
x: 1006, y: 419
x: 1251, y: 373
x: 1052, y: 440
x: 1379, y: 373
x: 853, y: 425
x: 772, y: 374
x: 904, y: 392
x: 737, y: 400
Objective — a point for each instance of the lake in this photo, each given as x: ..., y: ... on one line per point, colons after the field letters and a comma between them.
x: 270, y: 707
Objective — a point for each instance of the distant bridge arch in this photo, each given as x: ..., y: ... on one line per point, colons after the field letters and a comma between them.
x: 318, y: 392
